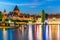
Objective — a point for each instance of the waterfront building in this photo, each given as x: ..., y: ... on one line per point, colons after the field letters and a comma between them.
x: 4, y: 15
x: 53, y: 27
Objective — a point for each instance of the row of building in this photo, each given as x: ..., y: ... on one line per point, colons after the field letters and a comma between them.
x: 17, y: 15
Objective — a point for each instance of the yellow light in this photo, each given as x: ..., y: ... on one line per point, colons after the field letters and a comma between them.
x: 9, y: 21
x: 4, y: 34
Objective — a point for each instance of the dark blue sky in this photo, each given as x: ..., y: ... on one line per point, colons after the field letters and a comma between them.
x: 31, y: 6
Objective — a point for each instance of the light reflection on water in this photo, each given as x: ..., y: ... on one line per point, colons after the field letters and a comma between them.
x: 46, y: 31
x: 39, y: 33
x: 29, y: 32
x: 30, y: 36
x: 4, y: 34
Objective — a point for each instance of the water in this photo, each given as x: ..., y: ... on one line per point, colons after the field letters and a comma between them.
x: 39, y: 33
x: 35, y: 32
x: 45, y: 32
x: 50, y: 35
x: 58, y: 32
x: 30, y: 35
x: 1, y: 35
x: 30, y: 32
x: 4, y: 34
x: 54, y: 32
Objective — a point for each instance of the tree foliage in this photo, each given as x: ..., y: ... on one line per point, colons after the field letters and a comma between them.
x: 43, y: 16
x: 0, y: 15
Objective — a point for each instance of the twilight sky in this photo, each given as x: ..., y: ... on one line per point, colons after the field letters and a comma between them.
x: 31, y: 6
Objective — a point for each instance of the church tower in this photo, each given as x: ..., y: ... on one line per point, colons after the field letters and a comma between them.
x: 16, y: 11
x: 4, y: 15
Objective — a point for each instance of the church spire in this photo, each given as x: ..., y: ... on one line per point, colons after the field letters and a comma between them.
x: 4, y: 10
x: 16, y: 11
x: 16, y: 8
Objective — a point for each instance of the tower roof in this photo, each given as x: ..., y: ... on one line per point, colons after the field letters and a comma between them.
x: 16, y: 8
x: 4, y: 10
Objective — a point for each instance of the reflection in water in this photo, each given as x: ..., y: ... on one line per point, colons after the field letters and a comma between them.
x: 1, y: 35
x: 58, y: 32
x: 39, y: 33
x: 35, y: 32
x: 22, y: 32
x: 11, y: 34
x: 26, y: 32
x: 54, y: 32
x: 30, y: 37
x: 16, y: 34
x: 32, y: 32
x: 50, y: 35
x: 47, y: 31
x: 4, y: 34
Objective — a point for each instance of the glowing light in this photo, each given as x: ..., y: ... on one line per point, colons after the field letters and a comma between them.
x: 46, y: 30
x: 50, y: 37
x: 36, y: 32
x: 58, y: 30
x: 4, y: 34
x: 30, y: 32
x: 39, y: 33
x: 54, y: 32
x: 47, y: 37
x: 22, y: 32
x: 9, y: 21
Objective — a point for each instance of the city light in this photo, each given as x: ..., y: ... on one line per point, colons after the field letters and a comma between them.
x: 25, y: 26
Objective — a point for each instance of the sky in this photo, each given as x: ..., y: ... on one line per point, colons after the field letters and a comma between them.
x: 31, y: 6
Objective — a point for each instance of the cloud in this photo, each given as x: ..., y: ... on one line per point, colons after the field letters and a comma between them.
x: 5, y: 3
x: 25, y: 4
x: 33, y: 6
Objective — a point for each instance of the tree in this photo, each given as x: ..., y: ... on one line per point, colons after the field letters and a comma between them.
x: 0, y: 16
x: 33, y: 20
x: 43, y: 16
